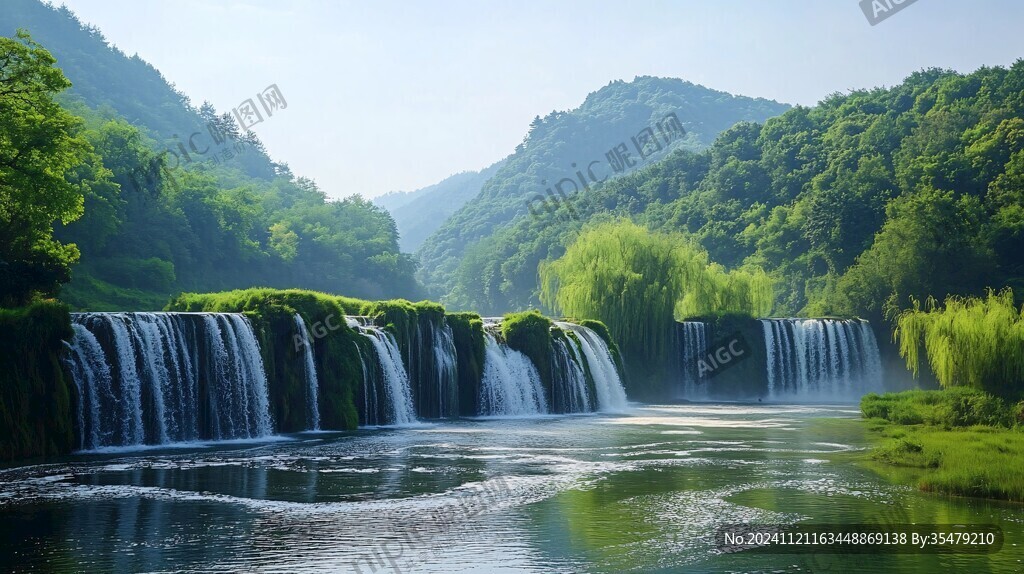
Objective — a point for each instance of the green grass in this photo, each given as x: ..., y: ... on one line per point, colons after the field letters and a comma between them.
x: 87, y: 293
x: 932, y: 439
x: 952, y: 408
x: 985, y: 462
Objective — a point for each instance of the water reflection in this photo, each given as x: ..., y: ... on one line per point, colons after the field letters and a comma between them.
x: 638, y: 492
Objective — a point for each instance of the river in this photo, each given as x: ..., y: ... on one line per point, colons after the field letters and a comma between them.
x: 638, y: 492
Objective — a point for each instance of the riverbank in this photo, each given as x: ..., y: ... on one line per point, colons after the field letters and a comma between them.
x: 959, y: 441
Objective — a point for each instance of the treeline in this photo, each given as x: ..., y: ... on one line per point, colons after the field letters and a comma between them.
x: 851, y: 206
x: 145, y: 226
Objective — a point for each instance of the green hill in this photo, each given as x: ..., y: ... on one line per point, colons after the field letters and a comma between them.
x: 564, y: 150
x: 867, y: 198
x: 160, y: 219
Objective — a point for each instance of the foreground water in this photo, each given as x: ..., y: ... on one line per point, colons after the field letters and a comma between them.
x: 643, y: 491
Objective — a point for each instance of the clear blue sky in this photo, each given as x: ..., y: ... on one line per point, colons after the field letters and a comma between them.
x: 389, y: 96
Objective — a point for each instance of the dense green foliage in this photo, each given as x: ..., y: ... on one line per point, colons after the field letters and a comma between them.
x: 155, y: 222
x: 871, y: 196
x: 419, y: 213
x: 45, y: 164
x: 210, y: 228
x: 957, y: 441
x: 105, y: 78
x: 560, y: 148
x: 36, y: 398
x: 639, y: 283
x: 970, y: 341
x: 979, y: 461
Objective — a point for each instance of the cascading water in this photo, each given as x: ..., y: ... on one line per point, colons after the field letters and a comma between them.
x: 312, y: 381
x: 432, y: 366
x: 158, y: 378
x: 511, y: 384
x: 693, y: 348
x: 822, y: 359
x: 570, y: 393
x: 389, y: 376
x: 611, y: 396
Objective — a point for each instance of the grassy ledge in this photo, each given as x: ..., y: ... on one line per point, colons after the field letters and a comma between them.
x: 959, y: 441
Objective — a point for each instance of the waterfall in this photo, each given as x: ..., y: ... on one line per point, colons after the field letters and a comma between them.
x: 432, y: 366
x: 570, y: 393
x: 611, y: 396
x: 91, y: 376
x: 693, y: 349
x: 390, y: 376
x: 159, y: 378
x: 820, y: 359
x: 371, y: 406
x: 446, y: 365
x: 312, y: 382
x: 511, y: 384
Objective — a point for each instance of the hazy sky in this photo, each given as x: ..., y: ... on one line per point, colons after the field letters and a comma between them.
x: 389, y: 96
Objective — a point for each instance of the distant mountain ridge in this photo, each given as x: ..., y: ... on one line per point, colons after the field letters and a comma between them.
x: 607, y: 123
x: 419, y: 213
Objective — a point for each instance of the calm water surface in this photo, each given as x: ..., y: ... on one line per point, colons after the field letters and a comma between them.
x: 641, y: 492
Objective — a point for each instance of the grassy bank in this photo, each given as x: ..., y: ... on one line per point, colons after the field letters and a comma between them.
x: 958, y: 441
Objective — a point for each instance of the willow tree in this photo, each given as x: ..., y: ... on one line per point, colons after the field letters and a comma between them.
x: 638, y: 282
x: 974, y: 342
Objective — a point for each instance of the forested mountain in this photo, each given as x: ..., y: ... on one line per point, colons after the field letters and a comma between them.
x: 160, y: 218
x: 619, y: 128
x: 869, y: 197
x: 115, y: 84
x: 419, y: 213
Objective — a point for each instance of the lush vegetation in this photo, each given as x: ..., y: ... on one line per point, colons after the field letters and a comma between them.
x: 147, y: 218
x: 870, y: 197
x: 468, y: 332
x: 959, y: 407
x: 957, y: 441
x: 534, y: 335
x: 639, y: 283
x: 36, y: 397
x: 44, y: 165
x: 559, y: 149
x: 970, y: 341
x: 529, y: 332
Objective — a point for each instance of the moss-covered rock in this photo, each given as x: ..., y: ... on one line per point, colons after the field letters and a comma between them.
x: 36, y: 393
x: 529, y: 332
x: 272, y: 312
x: 468, y: 332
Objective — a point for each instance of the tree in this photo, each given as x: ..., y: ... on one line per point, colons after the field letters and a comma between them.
x: 40, y: 149
x: 638, y: 282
